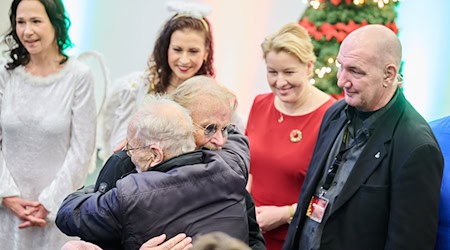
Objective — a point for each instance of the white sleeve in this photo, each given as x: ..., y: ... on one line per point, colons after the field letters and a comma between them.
x: 73, y: 172
x: 120, y: 106
x: 7, y: 185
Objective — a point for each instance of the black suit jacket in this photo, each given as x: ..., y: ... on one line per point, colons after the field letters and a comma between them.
x: 390, y: 199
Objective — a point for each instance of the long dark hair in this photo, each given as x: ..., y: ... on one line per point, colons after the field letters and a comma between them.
x: 159, y: 69
x: 61, y: 23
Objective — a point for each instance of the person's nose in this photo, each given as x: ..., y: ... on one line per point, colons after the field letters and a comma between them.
x: 280, y: 81
x: 28, y: 30
x: 342, y: 79
x: 184, y: 58
x: 218, y: 139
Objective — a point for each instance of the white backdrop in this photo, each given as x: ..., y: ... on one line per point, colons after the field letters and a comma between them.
x: 123, y: 31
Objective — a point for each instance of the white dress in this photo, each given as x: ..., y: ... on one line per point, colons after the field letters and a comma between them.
x: 123, y: 100
x: 47, y: 137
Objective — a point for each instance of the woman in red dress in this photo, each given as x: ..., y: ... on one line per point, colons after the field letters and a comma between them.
x: 282, y: 129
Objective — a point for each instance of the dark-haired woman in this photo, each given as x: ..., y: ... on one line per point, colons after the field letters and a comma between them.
x: 47, y: 125
x: 184, y: 48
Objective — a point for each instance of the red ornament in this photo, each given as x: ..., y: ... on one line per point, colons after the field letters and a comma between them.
x: 351, y: 26
x: 340, y: 36
x: 340, y: 26
x: 335, y: 2
x: 327, y: 27
x: 393, y: 27
x: 317, y: 35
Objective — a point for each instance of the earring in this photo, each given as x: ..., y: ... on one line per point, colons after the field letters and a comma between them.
x: 385, y: 85
x: 12, y: 44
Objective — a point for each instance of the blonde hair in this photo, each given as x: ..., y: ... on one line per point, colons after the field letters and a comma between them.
x: 293, y: 39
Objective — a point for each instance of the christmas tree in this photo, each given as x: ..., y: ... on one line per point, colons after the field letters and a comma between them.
x: 330, y: 21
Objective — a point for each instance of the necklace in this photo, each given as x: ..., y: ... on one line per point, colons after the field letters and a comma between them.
x: 295, y: 135
x: 281, y: 118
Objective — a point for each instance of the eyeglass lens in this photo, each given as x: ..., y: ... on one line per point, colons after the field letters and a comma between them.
x: 211, y: 129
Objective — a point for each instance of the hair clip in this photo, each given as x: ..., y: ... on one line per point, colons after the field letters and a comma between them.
x: 194, y: 10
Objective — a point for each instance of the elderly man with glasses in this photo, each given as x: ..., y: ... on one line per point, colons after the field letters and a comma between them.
x: 176, y: 190
x: 211, y: 107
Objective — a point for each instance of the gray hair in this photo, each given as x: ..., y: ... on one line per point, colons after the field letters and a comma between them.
x: 218, y: 241
x: 203, y: 89
x: 163, y: 122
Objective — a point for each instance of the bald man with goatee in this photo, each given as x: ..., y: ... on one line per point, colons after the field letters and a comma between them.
x: 375, y: 175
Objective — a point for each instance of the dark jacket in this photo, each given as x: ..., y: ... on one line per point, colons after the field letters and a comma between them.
x: 120, y: 165
x: 390, y: 199
x: 199, y: 193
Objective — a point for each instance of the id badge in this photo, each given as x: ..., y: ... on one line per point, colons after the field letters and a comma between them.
x: 316, y: 208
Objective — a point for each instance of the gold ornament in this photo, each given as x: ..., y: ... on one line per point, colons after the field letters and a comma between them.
x: 281, y: 119
x: 296, y: 135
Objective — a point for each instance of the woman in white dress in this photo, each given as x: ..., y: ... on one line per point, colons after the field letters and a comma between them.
x: 47, y: 125
x: 184, y: 48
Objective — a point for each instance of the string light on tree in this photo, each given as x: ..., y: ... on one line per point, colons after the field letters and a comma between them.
x: 330, y: 21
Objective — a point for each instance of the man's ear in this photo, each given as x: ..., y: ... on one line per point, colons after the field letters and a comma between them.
x: 158, y: 155
x: 390, y: 74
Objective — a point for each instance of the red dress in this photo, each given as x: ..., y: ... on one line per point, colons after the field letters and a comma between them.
x: 278, y: 165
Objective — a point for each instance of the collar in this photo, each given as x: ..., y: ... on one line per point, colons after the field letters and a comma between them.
x: 366, y: 120
x: 191, y: 158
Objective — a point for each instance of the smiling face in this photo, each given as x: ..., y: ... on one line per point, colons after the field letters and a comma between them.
x: 361, y: 78
x: 186, y: 54
x: 34, y: 29
x: 287, y: 76
x: 369, y: 59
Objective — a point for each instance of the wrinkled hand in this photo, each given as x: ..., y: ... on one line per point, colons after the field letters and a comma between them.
x: 79, y: 245
x: 271, y: 217
x: 26, y: 210
x: 178, y: 242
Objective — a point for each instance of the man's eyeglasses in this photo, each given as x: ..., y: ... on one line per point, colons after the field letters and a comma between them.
x: 211, y: 129
x: 128, y: 148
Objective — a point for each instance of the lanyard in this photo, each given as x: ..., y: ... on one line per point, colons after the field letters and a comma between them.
x: 336, y: 163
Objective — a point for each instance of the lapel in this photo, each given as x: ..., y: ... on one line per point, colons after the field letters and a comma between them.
x: 329, y: 130
x: 323, y: 147
x: 374, y: 152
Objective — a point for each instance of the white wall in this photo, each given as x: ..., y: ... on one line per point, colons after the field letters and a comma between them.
x: 4, y: 21
x: 425, y: 38
x: 124, y: 32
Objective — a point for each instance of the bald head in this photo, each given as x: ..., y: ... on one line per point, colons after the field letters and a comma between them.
x: 379, y: 41
x: 369, y: 59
